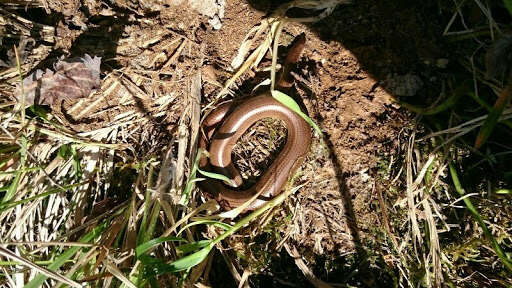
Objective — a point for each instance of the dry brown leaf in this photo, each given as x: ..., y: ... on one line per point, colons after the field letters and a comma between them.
x: 72, y: 78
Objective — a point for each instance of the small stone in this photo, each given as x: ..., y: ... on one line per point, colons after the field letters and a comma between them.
x: 214, y: 9
x: 215, y: 22
x: 404, y: 85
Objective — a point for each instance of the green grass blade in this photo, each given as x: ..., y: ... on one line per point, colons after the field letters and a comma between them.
x: 64, y: 257
x: 14, y: 185
x: 208, y: 222
x: 154, y: 266
x: 496, y: 247
x: 191, y: 260
x: 488, y: 108
x: 21, y: 170
x: 197, y: 180
x: 215, y: 176
x: 190, y: 247
x: 11, y: 204
x: 152, y: 221
x: 41, y: 113
x: 504, y: 191
x: 67, y: 151
x: 292, y: 105
x: 141, y: 249
x: 151, y: 267
x: 508, y: 4
x: 76, y: 163
x: 143, y: 234
x: 12, y: 188
x: 197, y: 257
x: 493, y: 117
x: 185, y: 196
x: 446, y: 104
x: 8, y: 148
x: 183, y: 277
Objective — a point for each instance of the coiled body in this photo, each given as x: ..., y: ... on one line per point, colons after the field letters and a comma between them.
x: 224, y: 126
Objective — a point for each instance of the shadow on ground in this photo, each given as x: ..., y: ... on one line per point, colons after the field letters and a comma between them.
x: 388, y: 38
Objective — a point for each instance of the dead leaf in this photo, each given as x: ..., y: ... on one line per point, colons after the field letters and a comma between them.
x: 72, y: 78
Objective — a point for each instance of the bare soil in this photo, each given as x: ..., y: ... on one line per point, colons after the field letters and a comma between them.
x: 346, y: 78
x: 362, y: 126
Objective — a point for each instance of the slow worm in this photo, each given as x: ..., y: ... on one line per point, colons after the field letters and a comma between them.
x: 224, y: 126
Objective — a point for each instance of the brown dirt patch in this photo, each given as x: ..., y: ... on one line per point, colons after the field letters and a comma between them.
x: 151, y: 50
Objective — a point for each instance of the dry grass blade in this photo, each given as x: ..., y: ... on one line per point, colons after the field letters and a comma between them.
x: 9, y: 278
x: 110, y: 237
x: 244, y: 281
x: 292, y: 251
x: 22, y: 91
x: 9, y: 254
x: 230, y: 262
x: 467, y: 126
x: 435, y: 248
x: 249, y: 62
x: 195, y: 114
x: 183, y: 133
x: 50, y: 243
x: 111, y: 267
x: 209, y: 206
x: 150, y: 102
x: 277, y: 34
x: 247, y: 43
x: 410, y: 195
x: 69, y: 138
x: 419, y: 195
x: 81, y: 262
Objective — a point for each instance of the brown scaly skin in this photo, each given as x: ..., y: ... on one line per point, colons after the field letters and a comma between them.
x: 224, y: 126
